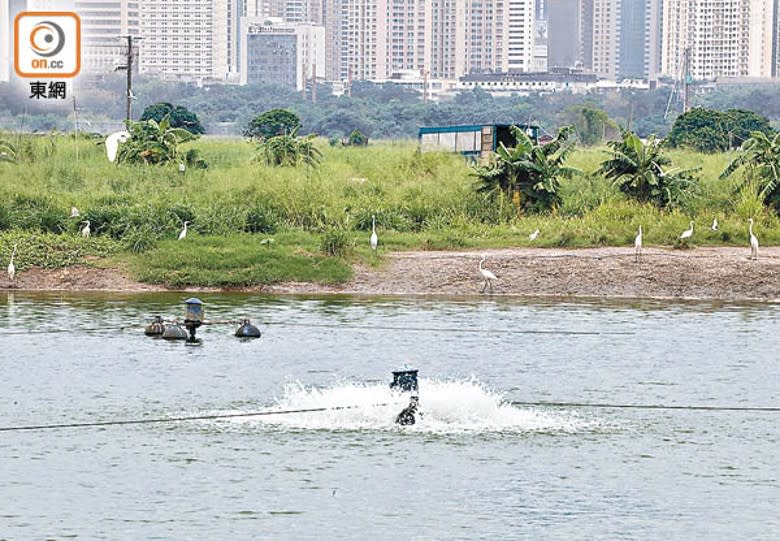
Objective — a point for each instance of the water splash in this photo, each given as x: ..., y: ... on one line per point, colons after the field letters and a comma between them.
x: 446, y: 406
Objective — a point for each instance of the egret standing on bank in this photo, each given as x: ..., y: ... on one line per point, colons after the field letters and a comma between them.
x: 714, y: 224
x: 11, y: 268
x: 85, y: 231
x: 487, y: 275
x: 753, y: 242
x: 638, y: 245
x: 74, y: 212
x: 183, y: 233
x: 374, y: 240
x: 688, y: 233
x: 532, y: 236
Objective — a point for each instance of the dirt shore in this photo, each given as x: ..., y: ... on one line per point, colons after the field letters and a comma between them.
x: 703, y: 273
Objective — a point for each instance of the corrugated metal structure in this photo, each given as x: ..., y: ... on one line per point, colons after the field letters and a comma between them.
x: 473, y: 140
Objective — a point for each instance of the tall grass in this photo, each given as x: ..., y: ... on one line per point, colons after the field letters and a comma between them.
x: 423, y: 201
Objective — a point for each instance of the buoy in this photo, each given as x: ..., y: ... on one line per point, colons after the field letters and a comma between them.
x: 156, y: 327
x: 247, y: 330
x: 174, y: 332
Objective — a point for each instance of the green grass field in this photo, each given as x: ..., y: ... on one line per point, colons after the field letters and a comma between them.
x: 421, y: 201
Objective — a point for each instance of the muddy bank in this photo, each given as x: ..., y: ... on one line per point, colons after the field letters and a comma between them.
x: 703, y: 273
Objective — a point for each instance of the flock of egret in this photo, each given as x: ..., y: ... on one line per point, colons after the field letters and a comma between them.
x: 488, y: 276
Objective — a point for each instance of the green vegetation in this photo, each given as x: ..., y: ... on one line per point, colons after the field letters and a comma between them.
x: 152, y: 143
x: 254, y: 223
x: 289, y: 149
x: 637, y: 169
x: 761, y: 158
x: 528, y: 173
x: 380, y: 111
x: 180, y: 117
x: 272, y: 123
x: 708, y: 130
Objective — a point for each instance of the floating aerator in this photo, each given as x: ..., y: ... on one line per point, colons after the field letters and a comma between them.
x: 405, y: 381
x: 247, y: 330
x: 174, y: 332
x: 156, y: 327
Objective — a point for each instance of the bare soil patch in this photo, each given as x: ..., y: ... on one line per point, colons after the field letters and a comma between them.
x: 702, y: 273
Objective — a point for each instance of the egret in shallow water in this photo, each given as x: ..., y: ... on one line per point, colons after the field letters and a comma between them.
x: 11, y: 268
x: 714, y: 224
x: 688, y: 233
x: 86, y: 231
x: 374, y: 240
x: 532, y: 236
x: 183, y: 233
x: 487, y: 275
x: 753, y: 242
x: 638, y: 245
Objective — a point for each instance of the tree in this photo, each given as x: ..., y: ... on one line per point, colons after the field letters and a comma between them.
x: 591, y: 123
x: 528, y: 173
x: 761, y: 158
x: 271, y: 123
x: 152, y: 143
x: 708, y: 130
x: 289, y: 150
x: 637, y: 168
x: 180, y: 117
x: 356, y: 139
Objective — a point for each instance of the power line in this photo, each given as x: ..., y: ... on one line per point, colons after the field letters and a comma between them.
x: 769, y: 409
x: 213, y: 417
x: 119, y: 422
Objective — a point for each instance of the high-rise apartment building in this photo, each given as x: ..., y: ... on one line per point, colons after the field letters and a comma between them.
x: 563, y: 33
x: 484, y: 36
x: 101, y: 23
x: 519, y: 49
x: 188, y: 40
x: 606, y: 37
x: 720, y: 38
x: 5, y: 40
x: 288, y: 54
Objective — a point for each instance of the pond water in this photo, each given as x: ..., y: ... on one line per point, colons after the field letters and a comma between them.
x: 474, y: 467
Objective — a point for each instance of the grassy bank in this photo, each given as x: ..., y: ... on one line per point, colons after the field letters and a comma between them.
x: 421, y: 201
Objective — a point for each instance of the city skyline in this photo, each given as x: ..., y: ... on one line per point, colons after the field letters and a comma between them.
x: 446, y: 40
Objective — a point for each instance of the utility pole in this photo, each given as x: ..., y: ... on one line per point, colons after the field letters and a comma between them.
x: 76, y: 125
x: 314, y: 83
x: 129, y: 67
x: 686, y: 80
x: 304, y: 78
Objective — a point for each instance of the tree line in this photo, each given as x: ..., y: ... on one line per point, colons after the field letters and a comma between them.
x: 381, y: 111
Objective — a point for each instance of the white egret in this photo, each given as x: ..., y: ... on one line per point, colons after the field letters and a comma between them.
x: 753, y: 242
x: 688, y: 233
x: 86, y: 231
x: 374, y: 240
x: 183, y: 233
x: 113, y: 141
x: 638, y: 245
x: 714, y: 226
x: 487, y: 275
x: 11, y: 268
x: 532, y: 236
x: 74, y: 212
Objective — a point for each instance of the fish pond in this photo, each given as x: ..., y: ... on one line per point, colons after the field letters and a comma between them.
x: 489, y: 459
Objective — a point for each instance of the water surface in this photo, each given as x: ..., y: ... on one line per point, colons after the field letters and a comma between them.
x: 475, y: 467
